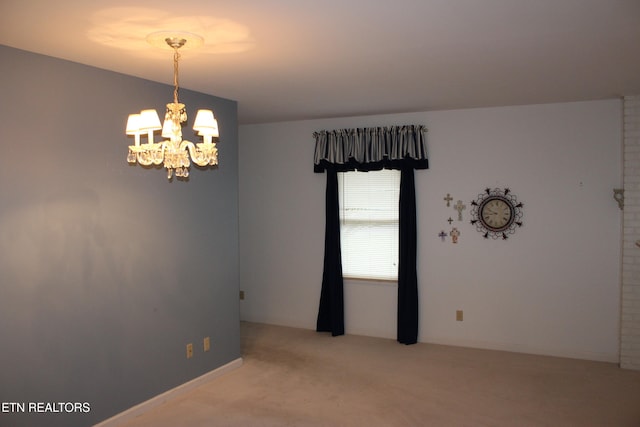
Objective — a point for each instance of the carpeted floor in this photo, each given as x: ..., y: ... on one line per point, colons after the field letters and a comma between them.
x: 296, y: 377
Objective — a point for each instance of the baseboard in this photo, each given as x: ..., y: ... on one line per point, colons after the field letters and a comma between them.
x: 485, y: 345
x: 279, y: 321
x: 143, y: 407
x: 518, y: 348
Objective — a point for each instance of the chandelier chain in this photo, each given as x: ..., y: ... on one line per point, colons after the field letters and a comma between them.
x: 176, y: 57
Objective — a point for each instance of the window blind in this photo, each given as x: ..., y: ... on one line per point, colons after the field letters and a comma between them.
x: 369, y: 223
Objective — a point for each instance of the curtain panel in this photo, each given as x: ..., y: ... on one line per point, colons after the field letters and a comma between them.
x: 368, y: 149
x: 399, y: 147
x: 331, y: 310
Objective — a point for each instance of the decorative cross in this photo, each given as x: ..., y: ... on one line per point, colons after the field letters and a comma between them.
x: 442, y: 235
x: 459, y: 207
x: 450, y: 220
x: 448, y: 199
x: 454, y: 235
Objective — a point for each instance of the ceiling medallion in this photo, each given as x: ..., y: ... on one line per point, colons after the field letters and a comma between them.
x: 496, y: 213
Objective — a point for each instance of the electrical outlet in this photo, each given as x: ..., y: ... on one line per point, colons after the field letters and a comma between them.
x: 206, y: 343
x: 459, y: 315
x: 241, y: 295
x: 189, y: 351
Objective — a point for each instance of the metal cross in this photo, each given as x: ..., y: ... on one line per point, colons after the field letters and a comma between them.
x: 448, y: 199
x: 450, y: 220
x: 454, y: 235
x: 459, y: 207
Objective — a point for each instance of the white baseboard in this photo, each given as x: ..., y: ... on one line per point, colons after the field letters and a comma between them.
x: 158, y: 400
x: 519, y: 348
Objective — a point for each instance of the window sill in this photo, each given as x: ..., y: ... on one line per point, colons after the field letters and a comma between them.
x: 367, y: 281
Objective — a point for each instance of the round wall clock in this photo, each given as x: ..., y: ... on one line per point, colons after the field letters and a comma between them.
x: 496, y: 213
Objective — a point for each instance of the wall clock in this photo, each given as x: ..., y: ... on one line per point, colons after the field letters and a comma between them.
x: 496, y: 213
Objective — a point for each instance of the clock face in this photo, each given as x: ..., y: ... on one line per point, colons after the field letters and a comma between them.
x: 496, y: 213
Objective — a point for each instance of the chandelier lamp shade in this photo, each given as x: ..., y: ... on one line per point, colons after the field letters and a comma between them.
x: 174, y: 153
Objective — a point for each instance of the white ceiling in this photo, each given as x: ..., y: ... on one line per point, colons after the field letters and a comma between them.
x: 302, y: 59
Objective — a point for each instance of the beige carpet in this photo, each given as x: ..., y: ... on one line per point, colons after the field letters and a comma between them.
x: 295, y: 377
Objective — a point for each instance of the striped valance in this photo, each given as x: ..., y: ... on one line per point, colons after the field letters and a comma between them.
x: 366, y: 149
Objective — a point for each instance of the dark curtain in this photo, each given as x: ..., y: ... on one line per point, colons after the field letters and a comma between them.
x: 398, y: 147
x: 331, y: 311
x: 407, y: 269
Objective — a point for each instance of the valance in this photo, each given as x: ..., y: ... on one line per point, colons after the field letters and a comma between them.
x: 367, y: 149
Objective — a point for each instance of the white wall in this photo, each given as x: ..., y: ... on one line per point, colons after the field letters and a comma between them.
x: 552, y: 288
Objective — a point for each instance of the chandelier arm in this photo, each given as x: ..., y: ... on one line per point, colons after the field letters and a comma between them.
x: 193, y: 154
x: 197, y: 156
x: 159, y: 153
x: 143, y: 159
x: 149, y: 154
x: 187, y: 145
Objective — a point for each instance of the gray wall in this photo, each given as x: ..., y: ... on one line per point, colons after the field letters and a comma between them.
x: 552, y: 288
x: 107, y: 270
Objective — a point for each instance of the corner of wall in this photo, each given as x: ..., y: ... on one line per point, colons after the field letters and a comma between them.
x: 630, y: 299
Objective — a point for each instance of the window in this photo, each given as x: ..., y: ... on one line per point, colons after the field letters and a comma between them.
x: 369, y: 224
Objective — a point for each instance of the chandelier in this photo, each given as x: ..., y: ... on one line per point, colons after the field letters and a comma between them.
x: 174, y: 153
